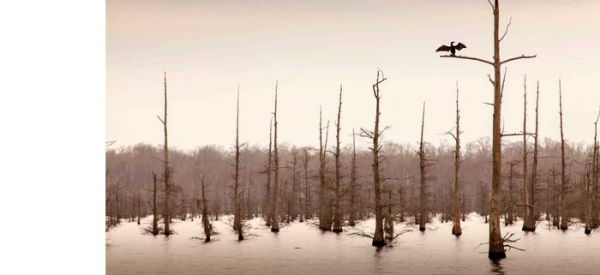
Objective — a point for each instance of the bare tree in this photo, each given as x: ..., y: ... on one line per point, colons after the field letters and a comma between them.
x: 496, y: 241
x: 534, y: 168
x: 324, y: 213
x: 275, y: 201
x: 307, y: 206
x: 337, y: 216
x: 376, y: 149
x: 423, y: 217
x: 237, y: 218
x: 595, y: 176
x: 529, y: 216
x: 269, y: 168
x: 167, y: 169
x: 456, y: 230
x: 352, y: 207
x: 562, y: 204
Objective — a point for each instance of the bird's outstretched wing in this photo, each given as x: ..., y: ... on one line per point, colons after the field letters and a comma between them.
x: 443, y: 48
x: 460, y: 46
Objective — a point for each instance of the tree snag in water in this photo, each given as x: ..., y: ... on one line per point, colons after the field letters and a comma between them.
x: 376, y: 149
x: 337, y: 215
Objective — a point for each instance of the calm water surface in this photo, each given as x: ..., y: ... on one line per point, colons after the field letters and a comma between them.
x: 301, y: 248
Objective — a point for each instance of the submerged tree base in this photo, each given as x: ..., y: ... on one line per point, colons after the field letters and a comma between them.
x: 528, y: 229
x: 496, y: 255
x: 275, y: 230
x: 337, y: 230
x: 378, y: 243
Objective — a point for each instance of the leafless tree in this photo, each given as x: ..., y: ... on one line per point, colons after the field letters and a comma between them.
x: 275, y: 201
x: 496, y: 241
x: 352, y: 207
x: 337, y: 216
x: 529, y: 215
x: 456, y: 229
x: 167, y: 170
x: 237, y: 218
x: 376, y: 149
x: 562, y: 209
x: 324, y: 202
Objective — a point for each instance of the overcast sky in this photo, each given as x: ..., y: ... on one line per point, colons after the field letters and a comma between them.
x: 311, y: 47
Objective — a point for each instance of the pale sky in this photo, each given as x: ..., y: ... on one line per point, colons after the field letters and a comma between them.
x: 311, y: 47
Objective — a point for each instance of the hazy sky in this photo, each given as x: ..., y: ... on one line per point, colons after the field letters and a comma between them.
x: 310, y: 47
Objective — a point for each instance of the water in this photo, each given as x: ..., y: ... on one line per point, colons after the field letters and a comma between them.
x: 301, y: 248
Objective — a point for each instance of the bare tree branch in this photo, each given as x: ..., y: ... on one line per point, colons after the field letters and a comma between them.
x: 468, y: 57
x: 505, y: 30
x: 518, y: 57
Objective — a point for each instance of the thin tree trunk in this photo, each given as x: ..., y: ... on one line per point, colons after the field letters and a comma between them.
x: 352, y: 216
x: 456, y: 230
x: 205, y: 221
x: 528, y: 219
x: 563, y: 176
x: 307, y: 210
x: 167, y: 169
x: 337, y: 217
x: 423, y: 188
x: 237, y: 219
x: 275, y: 221
x: 378, y: 239
x: 154, y: 209
x: 324, y: 213
x: 268, y: 204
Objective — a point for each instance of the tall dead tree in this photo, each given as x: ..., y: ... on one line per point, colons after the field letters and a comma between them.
x: 269, y: 168
x: 275, y: 201
x: 562, y: 202
x: 496, y: 242
x: 595, y: 171
x: 534, y: 174
x: 376, y: 150
x: 154, y: 209
x: 324, y: 213
x: 237, y: 218
x: 167, y: 169
x: 423, y: 188
x: 456, y: 230
x: 529, y: 216
x: 337, y: 215
x: 352, y: 207
x: 205, y: 220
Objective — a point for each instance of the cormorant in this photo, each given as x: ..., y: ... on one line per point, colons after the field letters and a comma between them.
x: 452, y: 48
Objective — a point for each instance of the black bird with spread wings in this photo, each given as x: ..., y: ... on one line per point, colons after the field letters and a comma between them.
x: 452, y: 48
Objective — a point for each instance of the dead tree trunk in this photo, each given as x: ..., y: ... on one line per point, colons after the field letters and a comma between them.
x: 237, y: 219
x: 167, y: 169
x: 352, y: 216
x: 324, y: 213
x: 154, y: 209
x: 337, y: 216
x: 509, y: 207
x: 588, y: 200
x: 595, y: 162
x: 496, y: 242
x: 205, y: 220
x: 528, y: 218
x: 422, y: 196
x: 376, y: 149
x: 456, y: 230
x: 563, y: 176
x: 269, y: 168
x: 275, y: 221
x: 307, y: 207
x: 535, y: 156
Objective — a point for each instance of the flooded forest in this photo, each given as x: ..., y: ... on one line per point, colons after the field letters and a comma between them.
x: 513, y: 202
